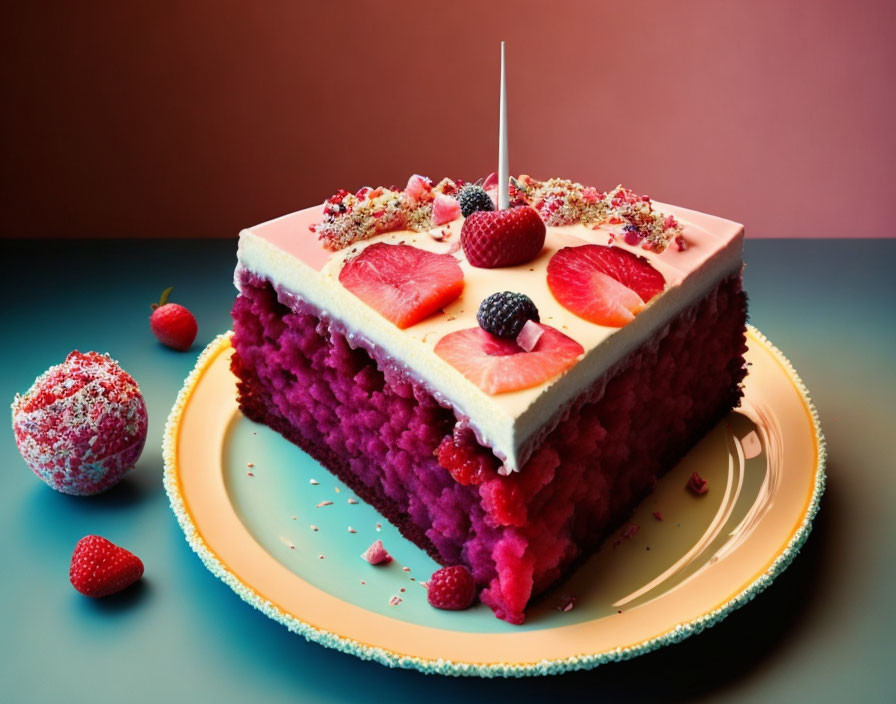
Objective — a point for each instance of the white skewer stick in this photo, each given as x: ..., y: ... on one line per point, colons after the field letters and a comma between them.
x: 503, y: 163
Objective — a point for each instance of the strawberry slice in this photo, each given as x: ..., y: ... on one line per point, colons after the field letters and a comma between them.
x: 497, y: 364
x: 605, y: 285
x: 403, y: 283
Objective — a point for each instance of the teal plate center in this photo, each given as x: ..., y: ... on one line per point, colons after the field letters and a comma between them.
x: 315, y: 526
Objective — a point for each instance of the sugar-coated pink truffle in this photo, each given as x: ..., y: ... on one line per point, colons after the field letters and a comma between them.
x: 82, y: 424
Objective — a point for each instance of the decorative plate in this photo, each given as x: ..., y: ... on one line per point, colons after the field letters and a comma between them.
x: 287, y: 537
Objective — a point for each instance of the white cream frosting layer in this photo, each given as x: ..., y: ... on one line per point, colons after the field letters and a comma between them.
x: 287, y: 253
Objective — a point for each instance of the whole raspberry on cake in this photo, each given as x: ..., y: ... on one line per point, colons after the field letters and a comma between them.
x: 506, y: 396
x: 82, y: 424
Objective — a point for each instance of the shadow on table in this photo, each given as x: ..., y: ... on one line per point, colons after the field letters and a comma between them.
x: 719, y: 658
x: 131, y: 490
x: 124, y: 600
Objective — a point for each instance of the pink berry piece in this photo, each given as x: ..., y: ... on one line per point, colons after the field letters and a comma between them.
x: 451, y: 588
x: 376, y: 554
x: 445, y: 209
x: 82, y: 425
x: 529, y: 336
x: 697, y: 485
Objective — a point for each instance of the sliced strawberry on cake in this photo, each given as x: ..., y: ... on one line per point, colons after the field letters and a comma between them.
x: 498, y: 365
x: 404, y: 284
x: 491, y: 356
x: 605, y: 285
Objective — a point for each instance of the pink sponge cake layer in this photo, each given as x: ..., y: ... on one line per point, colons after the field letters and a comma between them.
x: 517, y: 486
x: 377, y: 429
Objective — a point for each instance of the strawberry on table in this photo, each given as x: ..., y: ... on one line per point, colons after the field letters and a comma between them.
x: 502, y: 237
x: 100, y: 568
x: 172, y: 324
x: 404, y: 284
x: 605, y: 285
x: 497, y: 365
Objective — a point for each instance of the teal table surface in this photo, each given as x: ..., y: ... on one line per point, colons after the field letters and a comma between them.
x: 824, y: 631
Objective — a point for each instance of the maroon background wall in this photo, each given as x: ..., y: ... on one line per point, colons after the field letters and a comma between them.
x: 197, y: 118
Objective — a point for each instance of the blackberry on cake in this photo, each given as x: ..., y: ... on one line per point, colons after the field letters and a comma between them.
x: 473, y: 198
x: 513, y: 457
x: 504, y: 314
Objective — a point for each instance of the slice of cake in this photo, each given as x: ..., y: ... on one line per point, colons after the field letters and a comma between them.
x: 505, y: 387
